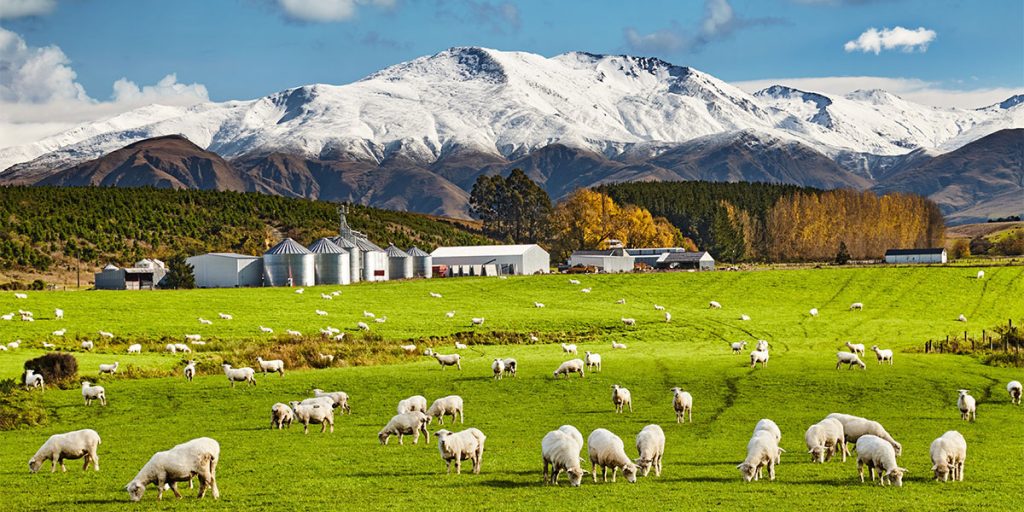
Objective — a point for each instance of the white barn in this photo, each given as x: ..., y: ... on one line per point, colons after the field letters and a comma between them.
x: 611, y: 260
x: 915, y: 256
x: 226, y: 270
x: 499, y: 259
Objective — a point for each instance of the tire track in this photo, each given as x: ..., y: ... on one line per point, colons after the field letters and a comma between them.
x: 730, y: 399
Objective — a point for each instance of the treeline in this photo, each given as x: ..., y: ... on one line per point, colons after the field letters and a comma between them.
x: 41, y: 227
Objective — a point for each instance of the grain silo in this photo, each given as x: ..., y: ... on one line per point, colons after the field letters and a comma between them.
x: 399, y: 263
x: 374, y: 260
x: 354, y: 259
x: 288, y: 264
x: 422, y: 262
x: 331, y: 263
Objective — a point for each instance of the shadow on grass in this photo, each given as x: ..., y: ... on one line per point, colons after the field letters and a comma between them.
x: 509, y: 484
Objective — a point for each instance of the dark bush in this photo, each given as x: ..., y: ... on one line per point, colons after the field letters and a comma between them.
x: 56, y: 367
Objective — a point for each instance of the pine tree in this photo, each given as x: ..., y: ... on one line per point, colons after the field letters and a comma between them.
x: 180, y: 275
x: 843, y: 256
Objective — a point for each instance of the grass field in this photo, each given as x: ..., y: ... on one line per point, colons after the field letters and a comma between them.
x: 264, y: 469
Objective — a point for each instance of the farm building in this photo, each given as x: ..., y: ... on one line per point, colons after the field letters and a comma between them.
x: 330, y: 262
x: 422, y: 262
x: 649, y: 255
x: 144, y: 275
x: 611, y: 260
x: 695, y: 260
x: 492, y: 259
x: 399, y: 263
x: 289, y: 264
x: 915, y: 256
x: 226, y: 270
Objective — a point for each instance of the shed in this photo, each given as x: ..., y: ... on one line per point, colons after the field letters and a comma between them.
x: 610, y: 260
x: 506, y: 259
x: 937, y: 255
x: 144, y: 275
x: 696, y: 260
x: 649, y: 255
x: 226, y: 270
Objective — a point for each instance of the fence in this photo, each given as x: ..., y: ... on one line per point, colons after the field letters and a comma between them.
x: 1009, y: 340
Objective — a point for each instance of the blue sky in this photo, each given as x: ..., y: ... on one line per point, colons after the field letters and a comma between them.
x: 952, y: 52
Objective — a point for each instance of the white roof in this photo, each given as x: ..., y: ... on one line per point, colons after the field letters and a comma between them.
x: 483, y: 250
x: 230, y: 255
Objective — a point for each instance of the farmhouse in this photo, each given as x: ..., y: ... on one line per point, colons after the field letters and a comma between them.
x: 699, y: 260
x: 480, y: 260
x: 610, y: 260
x: 226, y: 270
x: 144, y: 275
x: 915, y: 256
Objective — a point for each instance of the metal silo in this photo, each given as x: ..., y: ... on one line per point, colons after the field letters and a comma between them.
x: 375, y: 261
x: 288, y: 264
x: 330, y: 261
x: 422, y: 263
x: 399, y: 263
x: 354, y: 259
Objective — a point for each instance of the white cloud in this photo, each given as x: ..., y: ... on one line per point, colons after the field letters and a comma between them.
x: 719, y: 22
x: 10, y: 9
x: 325, y: 11
x: 874, y: 40
x: 911, y: 89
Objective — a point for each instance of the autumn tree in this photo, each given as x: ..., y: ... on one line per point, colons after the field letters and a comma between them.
x: 588, y: 220
x: 961, y: 249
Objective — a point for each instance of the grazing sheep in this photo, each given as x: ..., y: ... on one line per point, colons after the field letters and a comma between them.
x: 824, y: 438
x: 450, y: 314
x: 759, y: 356
x: 620, y: 301
x: 682, y: 402
x: 767, y: 425
x: 857, y: 305
x: 607, y: 450
x: 20, y: 296
x: 435, y: 295
x: 14, y: 344
x: 814, y: 311
x: 321, y: 312
x: 325, y: 296
x: 225, y: 316
x: 67, y: 446
x: 450, y: 405
x: 570, y: 366
x: 59, y: 332
x: 405, y: 424
x: 90, y: 393
x: 367, y: 314
x: 408, y: 349
x: 327, y: 359
x: 58, y: 314
x: 88, y: 345
x: 281, y: 415
x: 738, y: 346
x: 882, y: 354
x: 762, y: 452
x: 744, y: 317
x: 49, y: 345
x: 460, y: 346
x: 34, y: 380
x: 336, y: 293
x: 617, y: 345
x: 538, y: 304
x: 316, y: 411
x: 762, y: 345
x: 459, y: 446
x: 273, y: 365
x: 981, y: 274
x: 593, y: 361
x: 27, y: 317
x: 190, y: 370
x: 109, y: 368
x: 961, y: 318
x: 107, y: 335
x: 197, y: 457
x: 569, y: 349
x: 854, y: 427
x: 510, y: 366
x: 561, y: 451
x: 574, y: 282
x: 668, y: 317
x: 413, y: 403
x: 948, y: 454
x: 621, y: 398
x: 628, y: 322
x: 193, y: 337
x: 856, y: 348
x: 533, y: 337
x: 449, y: 360
x: 1015, y: 389
x: 135, y: 348
x: 245, y: 374
x: 266, y: 330
x: 8, y: 317
x: 880, y: 457
x: 968, y: 406
x: 339, y: 399
x: 650, y: 444
x: 659, y: 308
x: 205, y: 321
x: 3, y: 348
x: 300, y: 291
x: 181, y: 347
x: 849, y: 359
x: 478, y: 321
x: 381, y: 319
x: 585, y: 290
x: 498, y: 367
x: 293, y: 334
x: 363, y: 326
x: 714, y: 305
x: 171, y: 347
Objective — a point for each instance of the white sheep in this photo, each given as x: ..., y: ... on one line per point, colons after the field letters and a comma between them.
x: 857, y: 305
x: 668, y: 317
x: 49, y: 345
x: 1015, y: 390
x: 8, y: 317
x: 293, y: 333
x: 570, y: 366
x: 574, y: 282
x: 607, y: 450
x: 478, y: 321
x: 849, y: 359
x: 856, y: 348
x: 621, y: 398
x: 408, y: 349
x: 450, y: 405
x: 618, y: 346
x: 628, y: 322
x: 880, y: 457
x: 300, y: 291
x: 314, y: 410
x: 106, y: 334
x: 197, y: 457
x: 58, y: 314
x: 225, y: 316
x: 190, y: 370
x: 67, y: 446
x: 814, y: 311
x: 682, y: 402
x: 27, y: 317
x: 20, y: 296
x: 363, y: 326
x: 762, y: 345
x: 435, y: 295
x: 109, y: 368
x: 767, y: 425
x: 181, y: 347
x: 498, y: 368
x: 650, y: 444
x: 171, y: 348
x: 281, y: 415
x: 321, y: 312
x: 738, y: 346
x: 593, y: 361
x: 538, y: 304
x: 759, y: 356
x: 460, y: 346
x: 450, y: 314
x: 34, y: 380
x: 459, y: 446
x: 620, y: 301
x: 882, y: 354
x: 204, y: 321
x: 59, y: 332
x: 193, y: 337
x: 762, y: 452
x: 90, y: 393
x: 339, y: 399
x: 3, y: 348
x: 569, y: 349
x: 234, y: 375
x: 824, y: 438
x: 367, y: 314
x: 745, y: 317
x: 511, y: 365
x: 961, y: 318
x: 325, y: 358
x: 272, y: 365
x: 585, y: 290
x: 266, y: 330
x: 659, y: 308
x: 336, y: 293
x: 714, y: 305
x: 981, y: 274
x: 561, y: 452
x: 449, y: 360
x: 14, y: 344
x: 381, y: 319
x: 88, y: 345
x: 968, y: 406
x: 948, y: 455
x: 325, y: 296
x: 405, y: 424
x: 413, y: 403
x: 135, y: 348
x: 855, y: 427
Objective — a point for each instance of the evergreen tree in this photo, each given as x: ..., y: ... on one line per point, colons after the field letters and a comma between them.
x: 180, y: 275
x: 843, y: 256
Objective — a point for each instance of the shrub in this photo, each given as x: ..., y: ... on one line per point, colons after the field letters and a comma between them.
x: 55, y: 367
x: 19, y: 408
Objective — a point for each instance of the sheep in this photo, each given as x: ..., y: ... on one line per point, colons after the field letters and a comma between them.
x: 620, y: 301
x: 339, y: 399
x: 193, y: 337
x: 745, y: 318
x: 714, y: 305
x: 628, y: 322
x: 204, y: 321
x: 49, y: 345
x: 171, y: 347
x: 58, y: 314
x: 759, y: 356
x: 593, y: 361
x: 618, y: 346
x: 245, y: 374
x: 413, y: 403
x: 460, y: 346
x: 586, y: 290
x: 534, y: 338
x: 538, y: 304
x: 659, y: 308
x: 363, y: 326
x: 854, y: 427
x: 449, y: 360
x: 135, y: 348
x: 225, y: 316
x: 738, y: 346
x: 856, y: 348
x: 107, y: 335
x: 68, y: 446
x: 34, y: 380
x: 668, y: 317
x: 408, y: 349
x: 321, y: 312
x: 824, y: 438
x: 450, y: 314
x: 849, y: 359
x: 59, y: 332
x: 498, y: 367
x: 317, y: 411
x: 8, y: 317
x: 574, y: 282
x: 859, y: 306
x: 293, y: 333
x: 561, y: 452
x: 90, y: 393
x: 880, y: 457
x: 197, y: 457
x: 814, y: 311
x: 367, y: 314
x: 1015, y: 389
x: 450, y: 405
x: 3, y: 348
x: 325, y: 296
x: 27, y: 317
x: 570, y: 366
x: 948, y: 454
x: 272, y: 365
x: 650, y: 444
x: 281, y: 415
x: 621, y: 398
x: 981, y: 274
x: 606, y: 450
x: 435, y: 295
x: 381, y: 319
x: 20, y: 296
x: 88, y: 345
x: 569, y: 349
x: 762, y: 451
x: 762, y: 345
x: 109, y: 368
x: 682, y: 402
x: 961, y: 318
x: 882, y: 354
x: 510, y: 366
x: 405, y: 424
x: 14, y: 344
x: 266, y: 330
x: 190, y: 370
x: 459, y: 446
x: 336, y: 293
x: 767, y: 425
x: 300, y: 291
x: 181, y: 347
x: 968, y: 406
x: 478, y: 321
x: 326, y: 359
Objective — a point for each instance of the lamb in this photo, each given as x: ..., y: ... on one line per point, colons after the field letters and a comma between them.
x: 569, y: 349
x: 205, y: 321
x: 585, y: 290
x: 336, y: 293
x: 321, y: 312
x: 14, y: 344
x: 135, y: 348
x: 107, y: 335
x: 367, y: 314
x: 849, y: 359
x: 762, y: 345
x: 1015, y: 389
x: 574, y: 282
x: 339, y: 337
x: 606, y: 450
x: 363, y: 326
x: 193, y: 337
x: 181, y: 347
x: 498, y: 367
x: 109, y: 368
x: 8, y: 317
x: 968, y: 406
x: 190, y: 370
x: 449, y: 405
x: 593, y: 361
x: 650, y: 444
x: 857, y: 305
x: 459, y: 446
x: 561, y: 451
x: 762, y: 451
x: 961, y: 318
x: 880, y: 457
x: 628, y: 322
x: 325, y: 296
x: 824, y: 438
x: 316, y: 411
x: 659, y: 308
x: 266, y: 330
x: 281, y: 415
x: 759, y: 356
x: 408, y: 349
x: 27, y: 317
x: 621, y: 398
x: 538, y: 304
x: 225, y: 316
x: 814, y: 311
x: 411, y: 404
x: 981, y: 274
x: 67, y: 446
x: 617, y: 345
x: 450, y: 314
x: 197, y: 457
x: 58, y: 314
x: 738, y: 346
x: 882, y: 354
x: 435, y: 295
x: 49, y: 345
x: 478, y: 321
x: 745, y: 317
x: 273, y: 365
x: 339, y: 399
x: 510, y: 366
x: 59, y: 332
x: 449, y: 360
x: 948, y: 454
x: 381, y: 319
x: 90, y: 393
x: 460, y: 346
x: 88, y: 345
x: 714, y: 305
x: 570, y: 366
x: 856, y: 348
x: 20, y: 296
x: 245, y: 374
x: 405, y: 424
x: 682, y: 402
x: 620, y: 301
x: 293, y: 333
x: 855, y: 427
x: 33, y: 380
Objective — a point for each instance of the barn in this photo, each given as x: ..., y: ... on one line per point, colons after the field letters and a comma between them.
x: 610, y: 260
x: 144, y: 275
x: 226, y: 270
x: 696, y: 260
x: 915, y: 256
x: 487, y: 259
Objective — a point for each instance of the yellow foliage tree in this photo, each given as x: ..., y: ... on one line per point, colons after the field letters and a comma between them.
x: 588, y: 220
